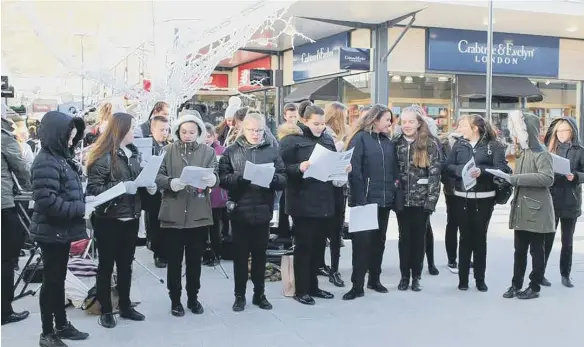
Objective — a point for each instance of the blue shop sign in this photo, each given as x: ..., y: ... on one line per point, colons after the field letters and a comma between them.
x: 513, y: 54
x: 320, y: 58
x: 355, y: 59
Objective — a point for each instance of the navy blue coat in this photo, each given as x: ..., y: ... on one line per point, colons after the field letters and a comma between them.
x: 374, y: 175
x: 59, y: 203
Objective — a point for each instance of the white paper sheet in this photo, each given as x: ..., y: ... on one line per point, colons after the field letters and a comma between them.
x: 327, y: 165
x: 148, y: 174
x: 144, y: 145
x: 561, y: 165
x: 469, y: 181
x: 109, y: 194
x: 259, y: 174
x: 193, y: 175
x: 500, y: 174
x: 363, y: 218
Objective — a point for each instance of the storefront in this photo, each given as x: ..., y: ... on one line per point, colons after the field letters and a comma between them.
x: 526, y: 75
x: 211, y: 100
x: 330, y: 70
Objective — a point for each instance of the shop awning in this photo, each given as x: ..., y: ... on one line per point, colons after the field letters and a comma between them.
x: 504, y: 88
x: 325, y: 90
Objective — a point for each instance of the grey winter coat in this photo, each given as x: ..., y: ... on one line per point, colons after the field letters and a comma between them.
x: 532, y: 208
x: 12, y: 162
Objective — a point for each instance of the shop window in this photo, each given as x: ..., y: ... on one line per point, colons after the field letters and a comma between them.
x: 265, y: 102
x: 432, y: 92
x: 560, y: 100
x: 211, y: 107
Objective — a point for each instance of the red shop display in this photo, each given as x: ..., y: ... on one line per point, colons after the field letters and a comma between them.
x: 217, y: 81
x: 243, y: 80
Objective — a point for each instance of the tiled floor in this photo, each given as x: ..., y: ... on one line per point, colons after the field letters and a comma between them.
x: 439, y: 316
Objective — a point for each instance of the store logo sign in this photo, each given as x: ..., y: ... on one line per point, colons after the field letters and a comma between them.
x: 320, y: 58
x: 463, y: 51
x: 355, y: 59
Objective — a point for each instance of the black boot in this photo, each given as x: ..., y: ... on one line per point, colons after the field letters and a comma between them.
x: 354, y: 293
x: 107, y: 320
x: 51, y: 340
x: 177, y: 309
x: 433, y: 270
x: 375, y: 284
x: 335, y: 278
x: 261, y: 301
x: 528, y: 294
x: 545, y: 282
x: 404, y: 284
x: 482, y: 286
x: 511, y: 293
x: 196, y: 307
x: 416, y: 287
x: 239, y: 303
x: 567, y: 282
x: 131, y: 314
x: 69, y: 332
x: 324, y: 271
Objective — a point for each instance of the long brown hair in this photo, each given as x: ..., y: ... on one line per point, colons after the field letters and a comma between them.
x: 104, y: 113
x: 423, y: 140
x: 486, y: 131
x: 109, y: 142
x: 553, y: 144
x: 366, y: 122
x: 335, y: 115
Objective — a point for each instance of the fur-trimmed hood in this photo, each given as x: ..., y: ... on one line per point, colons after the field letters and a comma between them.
x: 288, y: 129
x: 191, y: 117
x: 525, y: 127
x: 575, y: 134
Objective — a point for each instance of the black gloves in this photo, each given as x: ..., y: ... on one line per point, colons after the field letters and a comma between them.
x: 242, y: 182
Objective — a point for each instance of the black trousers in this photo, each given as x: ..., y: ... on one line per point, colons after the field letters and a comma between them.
x: 474, y: 216
x: 368, y: 249
x: 430, y: 244
x: 219, y: 229
x: 568, y: 228
x: 310, y: 238
x: 12, y: 240
x: 190, y: 244
x: 116, y: 243
x: 451, y: 234
x: 154, y: 235
x: 52, y: 297
x: 413, y: 223
x: 250, y: 239
x: 534, y: 242
x: 284, y: 229
x: 335, y: 236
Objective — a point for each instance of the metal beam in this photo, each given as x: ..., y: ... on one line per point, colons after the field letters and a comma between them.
x: 489, y: 72
x: 393, y: 22
x: 260, y: 51
x: 404, y: 30
x: 380, y: 75
x: 345, y: 23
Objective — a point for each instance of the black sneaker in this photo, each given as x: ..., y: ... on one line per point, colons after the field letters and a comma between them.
x: 511, y: 293
x: 377, y: 286
x: 482, y: 286
x: 177, y: 310
x: 416, y: 287
x: 528, y: 294
x: 404, y: 284
x: 545, y: 282
x: 322, y: 294
x: 51, y: 340
x: 354, y: 293
x: 15, y: 317
x: 132, y: 314
x: 335, y: 278
x: 107, y: 320
x: 324, y: 271
x: 239, y: 304
x: 261, y: 301
x: 196, y: 307
x: 69, y: 332
x: 453, y: 267
x: 433, y: 270
x: 567, y: 282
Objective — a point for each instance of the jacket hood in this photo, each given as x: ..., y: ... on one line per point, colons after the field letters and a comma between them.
x: 7, y: 126
x: 288, y: 129
x: 242, y: 141
x: 190, y: 118
x: 54, y: 132
x: 572, y: 122
x: 525, y: 127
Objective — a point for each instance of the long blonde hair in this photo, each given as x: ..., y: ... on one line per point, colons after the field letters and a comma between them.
x: 553, y: 144
x: 104, y: 113
x: 367, y: 122
x: 336, y: 118
x: 423, y: 140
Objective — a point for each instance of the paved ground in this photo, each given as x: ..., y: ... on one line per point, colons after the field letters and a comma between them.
x: 439, y: 316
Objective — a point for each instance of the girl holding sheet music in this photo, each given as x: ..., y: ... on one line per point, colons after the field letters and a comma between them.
x: 185, y: 213
x: 372, y: 181
x: 113, y: 160
x: 254, y: 204
x: 562, y: 139
x: 474, y: 203
x: 310, y: 202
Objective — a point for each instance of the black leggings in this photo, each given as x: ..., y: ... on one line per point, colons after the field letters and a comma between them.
x: 568, y: 228
x: 52, y: 297
x: 250, y: 239
x: 430, y: 244
x: 310, y: 239
x: 413, y: 224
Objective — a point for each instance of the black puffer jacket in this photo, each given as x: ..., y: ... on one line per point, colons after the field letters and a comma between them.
x: 417, y: 193
x: 305, y: 197
x: 374, y: 175
x: 254, y: 204
x: 567, y: 195
x: 57, y: 191
x: 101, y: 177
x: 486, y: 154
